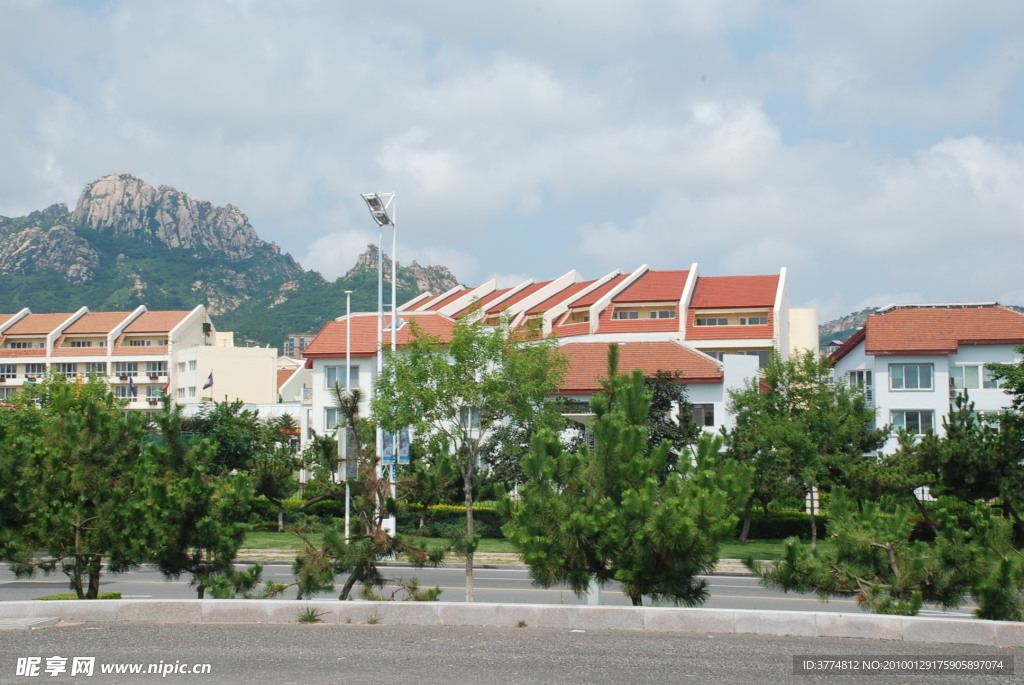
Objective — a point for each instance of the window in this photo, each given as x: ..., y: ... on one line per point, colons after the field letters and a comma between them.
x: 703, y: 414
x: 80, y: 343
x: 331, y: 418
x: 5, y: 393
x: 98, y: 368
x: 126, y: 368
x: 753, y: 320
x: 139, y: 343
x: 181, y: 367
x: 469, y: 418
x: 8, y: 371
x: 625, y: 314
x: 712, y: 321
x: 68, y: 370
x: 156, y: 368
x: 18, y: 345
x: 910, y: 376
x: 335, y: 375
x: 861, y: 380
x: 972, y: 377
x: 192, y: 365
x: 762, y: 356
x: 181, y: 393
x: 192, y: 392
x: 124, y: 392
x: 914, y: 421
x: 662, y: 314
x: 35, y: 370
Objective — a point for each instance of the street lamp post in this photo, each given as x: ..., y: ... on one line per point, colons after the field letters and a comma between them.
x: 382, y: 208
x: 348, y: 391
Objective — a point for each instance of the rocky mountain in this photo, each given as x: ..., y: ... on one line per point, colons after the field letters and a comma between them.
x: 128, y: 243
x: 843, y: 327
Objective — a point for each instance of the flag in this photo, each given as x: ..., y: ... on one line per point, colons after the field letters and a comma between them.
x: 165, y: 388
x: 209, y: 382
x: 133, y: 389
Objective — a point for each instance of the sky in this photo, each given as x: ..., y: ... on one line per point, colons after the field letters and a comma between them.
x: 871, y: 148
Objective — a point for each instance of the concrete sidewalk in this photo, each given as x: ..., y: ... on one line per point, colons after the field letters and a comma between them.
x: 577, y: 617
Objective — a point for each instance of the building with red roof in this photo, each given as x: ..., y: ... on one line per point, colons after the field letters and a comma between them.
x: 675, y: 321
x: 913, y: 360
x: 141, y: 353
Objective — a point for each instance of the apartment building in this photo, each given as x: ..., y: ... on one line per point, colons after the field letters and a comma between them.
x: 913, y: 360
x: 715, y: 331
x: 142, y: 354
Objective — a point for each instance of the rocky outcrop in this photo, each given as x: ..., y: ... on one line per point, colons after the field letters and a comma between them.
x: 432, y: 279
x: 56, y: 249
x: 128, y: 207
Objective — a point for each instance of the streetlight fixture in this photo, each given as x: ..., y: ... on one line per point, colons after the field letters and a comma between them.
x: 383, y: 209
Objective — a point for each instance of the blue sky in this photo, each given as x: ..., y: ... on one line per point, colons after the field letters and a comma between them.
x: 873, y: 148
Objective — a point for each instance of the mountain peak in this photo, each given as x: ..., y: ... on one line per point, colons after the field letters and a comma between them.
x: 128, y: 207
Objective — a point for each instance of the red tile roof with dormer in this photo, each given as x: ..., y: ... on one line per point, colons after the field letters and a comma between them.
x: 32, y: 326
x: 588, y: 362
x: 330, y: 341
x: 92, y: 324
x: 719, y: 293
x: 936, y: 330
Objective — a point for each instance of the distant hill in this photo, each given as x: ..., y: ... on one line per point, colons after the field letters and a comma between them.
x: 128, y: 243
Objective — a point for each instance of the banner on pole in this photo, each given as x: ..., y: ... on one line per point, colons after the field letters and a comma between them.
x: 388, y: 449
x: 403, y: 447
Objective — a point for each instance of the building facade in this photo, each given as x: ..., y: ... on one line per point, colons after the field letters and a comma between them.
x: 713, y: 331
x: 912, y: 361
x: 142, y: 354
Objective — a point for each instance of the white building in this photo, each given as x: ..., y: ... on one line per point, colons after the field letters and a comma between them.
x: 715, y: 331
x: 141, y: 353
x: 912, y: 361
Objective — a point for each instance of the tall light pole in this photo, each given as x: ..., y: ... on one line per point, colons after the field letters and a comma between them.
x: 348, y: 391
x: 382, y: 208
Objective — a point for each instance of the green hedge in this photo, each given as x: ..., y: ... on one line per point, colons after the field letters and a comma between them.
x: 781, y: 525
x: 446, y: 520
x: 264, y: 512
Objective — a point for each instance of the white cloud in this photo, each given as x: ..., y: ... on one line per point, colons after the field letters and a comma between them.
x: 871, y: 147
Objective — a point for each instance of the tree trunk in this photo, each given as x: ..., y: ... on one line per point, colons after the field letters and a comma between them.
x: 637, y: 600
x: 747, y: 513
x: 95, y: 566
x: 814, y: 530
x: 468, y: 488
x: 280, y: 517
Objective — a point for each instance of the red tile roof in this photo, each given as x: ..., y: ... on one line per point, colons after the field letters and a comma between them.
x: 330, y: 341
x: 517, y: 297
x: 936, y: 330
x: 724, y: 292
x: 588, y: 362
x: 156, y: 322
x: 96, y: 323
x: 37, y: 324
x: 655, y: 286
x: 592, y: 297
x: 563, y: 295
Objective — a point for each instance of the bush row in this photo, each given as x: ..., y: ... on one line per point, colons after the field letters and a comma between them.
x: 445, y: 520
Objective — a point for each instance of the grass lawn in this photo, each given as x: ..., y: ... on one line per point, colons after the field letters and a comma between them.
x: 264, y: 540
x: 759, y: 549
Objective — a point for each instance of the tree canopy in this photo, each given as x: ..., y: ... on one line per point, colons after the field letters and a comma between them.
x: 454, y: 393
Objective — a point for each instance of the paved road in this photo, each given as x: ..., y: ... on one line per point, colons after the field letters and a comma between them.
x: 296, y: 653
x: 501, y: 585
